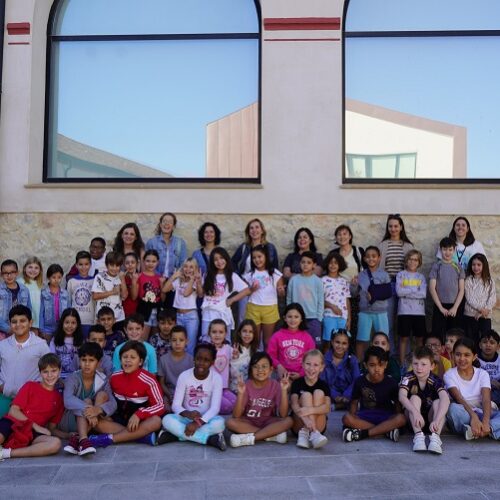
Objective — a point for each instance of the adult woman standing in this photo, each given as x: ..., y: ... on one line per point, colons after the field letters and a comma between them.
x: 353, y: 257
x: 303, y: 241
x: 209, y: 238
x: 467, y: 245
x: 128, y: 239
x: 393, y: 248
x: 255, y: 234
x: 171, y: 249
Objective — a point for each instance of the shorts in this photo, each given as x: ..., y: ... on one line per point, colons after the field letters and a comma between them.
x: 369, y: 320
x: 262, y: 315
x: 411, y: 325
x: 375, y: 416
x: 261, y: 422
x: 125, y: 410
x: 6, y: 430
x: 331, y: 323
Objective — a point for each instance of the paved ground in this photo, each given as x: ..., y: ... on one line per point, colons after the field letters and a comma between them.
x: 374, y: 468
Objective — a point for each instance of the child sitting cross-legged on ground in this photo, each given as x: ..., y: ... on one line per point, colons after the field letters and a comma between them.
x: 29, y: 429
x: 310, y: 401
x: 425, y: 401
x: 196, y: 404
x: 261, y: 409
x: 88, y: 396
x: 139, y: 399
x: 376, y: 393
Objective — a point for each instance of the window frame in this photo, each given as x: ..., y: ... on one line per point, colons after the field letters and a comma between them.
x: 51, y: 38
x: 401, y: 34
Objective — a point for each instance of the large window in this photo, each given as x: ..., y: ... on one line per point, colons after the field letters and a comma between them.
x: 153, y: 90
x: 421, y: 77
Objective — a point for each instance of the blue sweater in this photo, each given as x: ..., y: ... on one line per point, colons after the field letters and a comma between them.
x: 341, y: 377
x: 308, y: 292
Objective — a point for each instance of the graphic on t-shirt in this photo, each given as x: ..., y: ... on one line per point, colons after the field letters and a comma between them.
x: 369, y: 398
x: 196, y: 395
x: 221, y: 363
x: 82, y: 297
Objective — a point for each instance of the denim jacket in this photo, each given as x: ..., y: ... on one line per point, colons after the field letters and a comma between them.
x: 176, y: 250
x: 340, y: 378
x: 48, y: 321
x: 23, y: 298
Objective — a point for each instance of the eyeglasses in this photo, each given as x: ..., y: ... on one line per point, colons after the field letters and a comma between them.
x: 433, y: 345
x: 8, y: 273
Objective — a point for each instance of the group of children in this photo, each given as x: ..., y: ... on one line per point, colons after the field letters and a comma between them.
x: 115, y: 366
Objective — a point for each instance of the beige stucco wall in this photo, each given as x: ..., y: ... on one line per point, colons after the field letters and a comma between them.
x: 57, y: 237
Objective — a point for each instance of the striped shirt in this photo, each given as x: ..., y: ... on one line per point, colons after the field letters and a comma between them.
x: 394, y: 261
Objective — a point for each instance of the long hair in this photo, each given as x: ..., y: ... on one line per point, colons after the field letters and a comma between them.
x: 138, y: 244
x: 209, y: 285
x: 201, y: 233
x: 263, y: 249
x: 254, y: 345
x: 158, y: 226
x: 59, y: 334
x: 312, y: 246
x: 263, y: 238
x: 485, y: 273
x: 402, y: 235
x: 39, y: 278
x: 469, y: 237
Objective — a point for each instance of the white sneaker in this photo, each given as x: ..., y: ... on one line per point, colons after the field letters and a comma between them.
x: 279, y: 438
x: 468, y: 432
x: 435, y: 444
x: 317, y: 439
x: 419, y: 442
x: 238, y: 440
x: 303, y: 438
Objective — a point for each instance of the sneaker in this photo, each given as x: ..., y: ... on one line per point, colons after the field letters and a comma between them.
x: 165, y: 437
x: 148, y: 439
x: 393, y: 435
x: 279, y: 438
x: 238, y: 440
x: 303, y: 438
x: 317, y: 439
x: 435, y: 444
x: 85, y: 447
x: 100, y: 440
x: 419, y: 442
x: 349, y: 435
x: 217, y: 441
x: 73, y: 445
x: 468, y: 432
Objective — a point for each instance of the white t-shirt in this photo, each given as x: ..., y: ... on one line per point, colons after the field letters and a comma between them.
x: 103, y: 282
x: 214, y: 306
x: 180, y: 301
x: 336, y: 291
x: 469, y: 389
x: 266, y: 294
x: 193, y: 394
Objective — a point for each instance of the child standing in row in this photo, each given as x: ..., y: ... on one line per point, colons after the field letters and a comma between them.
x: 217, y: 332
x: 425, y: 401
x: 336, y: 290
x: 261, y: 410
x: 446, y: 286
x: 411, y: 289
x: 306, y: 289
x: 32, y: 279
x: 222, y: 288
x: 480, y: 297
x: 79, y: 288
x: 53, y: 302
x: 288, y: 345
x: 341, y: 369
x: 246, y: 345
x: 131, y: 278
x: 265, y: 283
x: 376, y: 394
x: 310, y: 402
x: 372, y: 310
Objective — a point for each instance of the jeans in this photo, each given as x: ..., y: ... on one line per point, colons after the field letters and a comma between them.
x: 191, y: 323
x: 457, y: 417
x: 176, y: 425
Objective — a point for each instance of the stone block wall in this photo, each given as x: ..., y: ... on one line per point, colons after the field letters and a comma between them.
x: 56, y: 237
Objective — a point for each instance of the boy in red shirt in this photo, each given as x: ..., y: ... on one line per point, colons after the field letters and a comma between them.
x: 27, y: 430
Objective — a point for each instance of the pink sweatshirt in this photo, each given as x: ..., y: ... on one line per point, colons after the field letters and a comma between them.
x: 287, y: 349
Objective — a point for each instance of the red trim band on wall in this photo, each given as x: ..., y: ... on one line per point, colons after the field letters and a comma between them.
x: 301, y: 23
x: 18, y: 28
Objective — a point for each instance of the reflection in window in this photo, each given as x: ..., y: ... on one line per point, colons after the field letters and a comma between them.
x: 400, y: 96
x: 397, y: 166
x: 160, y: 94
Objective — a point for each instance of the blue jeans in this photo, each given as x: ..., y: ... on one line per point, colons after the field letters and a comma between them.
x: 457, y: 417
x: 176, y: 425
x: 191, y: 323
